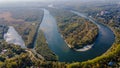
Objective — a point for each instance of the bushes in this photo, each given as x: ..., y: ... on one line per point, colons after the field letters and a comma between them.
x: 21, y: 61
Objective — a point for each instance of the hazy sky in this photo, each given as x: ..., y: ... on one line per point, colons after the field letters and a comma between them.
x: 8, y: 1
x: 38, y: 0
x: 22, y: 0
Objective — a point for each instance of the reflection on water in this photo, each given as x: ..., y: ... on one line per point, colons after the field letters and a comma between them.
x: 57, y: 44
x: 12, y: 37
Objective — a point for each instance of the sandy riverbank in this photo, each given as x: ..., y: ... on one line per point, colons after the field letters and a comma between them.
x: 85, y: 48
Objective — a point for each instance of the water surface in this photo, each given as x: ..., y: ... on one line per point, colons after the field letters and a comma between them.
x: 12, y: 37
x: 57, y: 44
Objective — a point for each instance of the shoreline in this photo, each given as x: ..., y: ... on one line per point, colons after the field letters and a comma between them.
x: 85, y: 48
x: 65, y: 41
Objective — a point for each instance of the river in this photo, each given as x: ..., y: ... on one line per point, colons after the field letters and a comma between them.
x: 57, y: 44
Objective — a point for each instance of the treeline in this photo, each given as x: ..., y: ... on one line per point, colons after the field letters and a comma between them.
x: 20, y: 61
x: 77, y: 31
x: 9, y: 50
x: 12, y: 56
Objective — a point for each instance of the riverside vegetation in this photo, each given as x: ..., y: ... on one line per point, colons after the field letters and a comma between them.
x: 43, y: 49
x: 77, y: 31
x: 26, y: 23
x: 110, y: 18
x: 12, y: 56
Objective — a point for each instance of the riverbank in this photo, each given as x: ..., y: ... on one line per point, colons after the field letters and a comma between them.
x: 79, y: 40
x: 110, y: 56
x: 85, y: 48
x: 61, y: 49
x: 41, y: 44
x: 33, y: 43
x: 42, y: 48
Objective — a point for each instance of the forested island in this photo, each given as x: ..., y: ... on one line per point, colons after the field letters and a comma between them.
x: 77, y: 31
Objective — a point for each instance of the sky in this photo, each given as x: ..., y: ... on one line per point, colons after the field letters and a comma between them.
x: 8, y: 1
x: 36, y: 0
x: 22, y: 0
x: 14, y: 0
